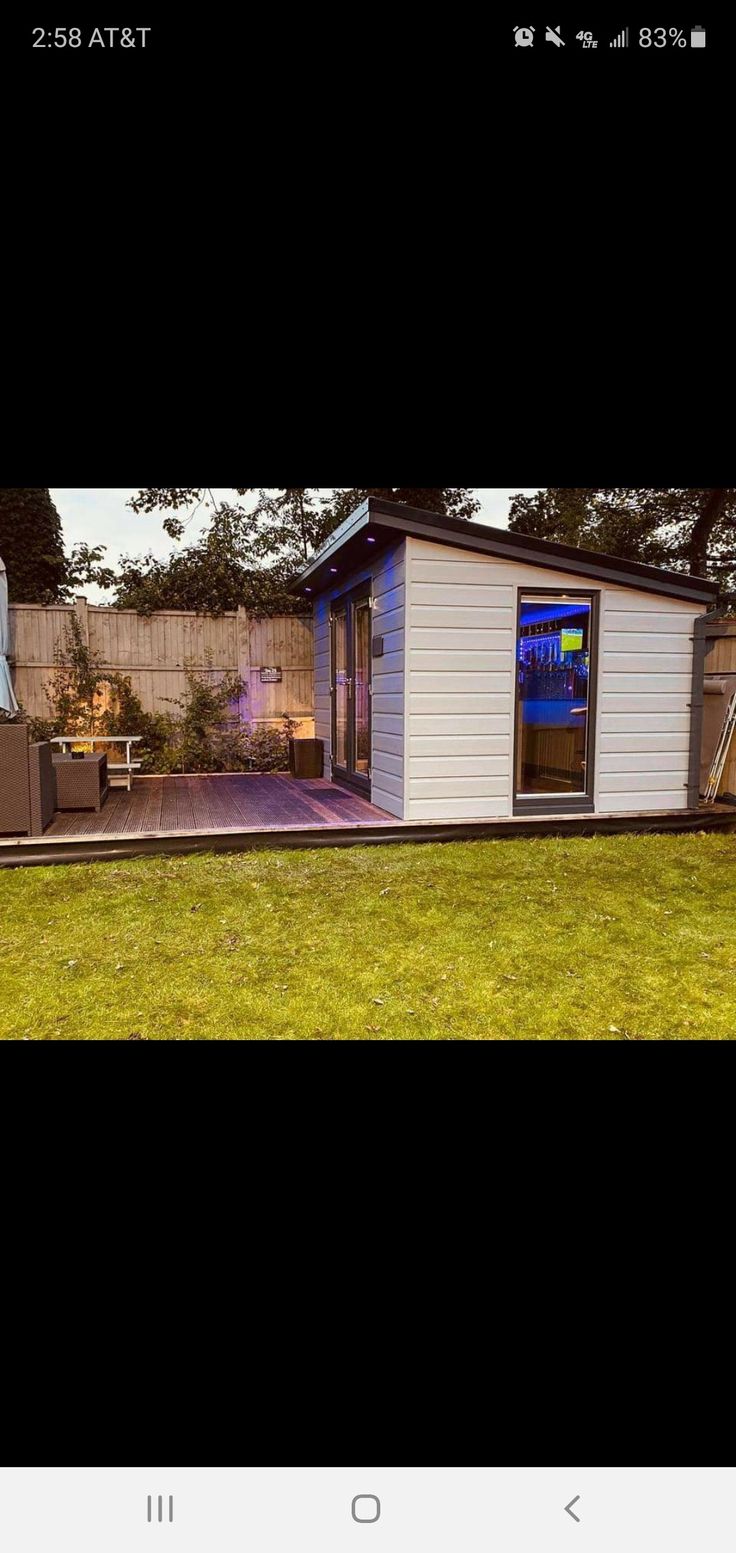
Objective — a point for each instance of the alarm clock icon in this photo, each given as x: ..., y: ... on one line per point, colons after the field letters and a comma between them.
x: 524, y: 37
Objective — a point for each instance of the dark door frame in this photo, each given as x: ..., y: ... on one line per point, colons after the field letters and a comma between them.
x: 347, y: 776
x: 557, y: 803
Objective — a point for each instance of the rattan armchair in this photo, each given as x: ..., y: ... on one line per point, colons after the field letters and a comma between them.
x: 27, y: 783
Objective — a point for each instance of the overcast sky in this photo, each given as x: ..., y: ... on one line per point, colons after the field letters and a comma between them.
x: 101, y: 517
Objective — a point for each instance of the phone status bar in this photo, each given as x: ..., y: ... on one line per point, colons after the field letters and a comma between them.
x: 553, y: 37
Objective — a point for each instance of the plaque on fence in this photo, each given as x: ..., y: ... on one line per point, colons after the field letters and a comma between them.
x: 271, y: 676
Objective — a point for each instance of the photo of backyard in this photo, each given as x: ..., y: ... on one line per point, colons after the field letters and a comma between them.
x: 350, y: 765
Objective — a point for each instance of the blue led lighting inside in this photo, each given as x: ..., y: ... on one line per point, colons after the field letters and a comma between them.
x: 535, y: 614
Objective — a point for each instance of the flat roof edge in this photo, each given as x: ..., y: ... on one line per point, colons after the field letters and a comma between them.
x: 485, y: 539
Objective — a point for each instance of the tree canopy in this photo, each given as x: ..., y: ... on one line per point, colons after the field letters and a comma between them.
x: 684, y: 529
x: 32, y: 547
x: 254, y: 543
x: 252, y: 546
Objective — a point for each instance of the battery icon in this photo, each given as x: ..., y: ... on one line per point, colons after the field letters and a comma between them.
x: 697, y: 38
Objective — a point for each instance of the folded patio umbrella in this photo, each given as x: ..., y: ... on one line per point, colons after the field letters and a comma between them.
x: 8, y: 702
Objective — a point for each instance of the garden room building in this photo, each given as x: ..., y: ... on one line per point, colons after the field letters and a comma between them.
x: 465, y: 673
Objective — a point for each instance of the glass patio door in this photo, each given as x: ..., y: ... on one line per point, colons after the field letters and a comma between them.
x: 351, y: 689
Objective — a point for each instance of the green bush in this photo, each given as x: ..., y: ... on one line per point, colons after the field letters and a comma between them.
x: 125, y: 715
x: 200, y: 738
x: 268, y: 748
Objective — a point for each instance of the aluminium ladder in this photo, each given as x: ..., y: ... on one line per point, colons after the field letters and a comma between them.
x: 720, y: 755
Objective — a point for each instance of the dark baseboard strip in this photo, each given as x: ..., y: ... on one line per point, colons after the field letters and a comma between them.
x: 43, y: 854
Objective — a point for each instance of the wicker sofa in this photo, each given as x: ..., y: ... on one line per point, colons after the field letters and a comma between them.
x: 27, y: 783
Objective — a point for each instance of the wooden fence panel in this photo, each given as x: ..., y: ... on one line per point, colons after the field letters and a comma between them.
x: 34, y: 633
x: 154, y: 651
x: 721, y: 659
x: 285, y: 642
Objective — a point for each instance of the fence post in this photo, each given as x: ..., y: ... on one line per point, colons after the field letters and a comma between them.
x: 243, y: 635
x: 81, y: 610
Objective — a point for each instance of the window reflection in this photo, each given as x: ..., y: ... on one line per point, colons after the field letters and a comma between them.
x: 553, y: 706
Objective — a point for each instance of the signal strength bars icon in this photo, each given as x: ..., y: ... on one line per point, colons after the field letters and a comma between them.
x: 621, y: 40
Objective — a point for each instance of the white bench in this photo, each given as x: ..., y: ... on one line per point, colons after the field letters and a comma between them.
x: 126, y: 768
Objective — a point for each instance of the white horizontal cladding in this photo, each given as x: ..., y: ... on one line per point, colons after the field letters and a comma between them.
x: 385, y: 723
x: 383, y: 760
x: 641, y: 781
x: 388, y: 621
x: 447, y: 766
x: 644, y: 703
x: 389, y: 603
x: 654, y: 685
x: 462, y: 704
x: 673, y: 761
x: 388, y: 675
x: 393, y: 641
x: 449, y: 745
x: 455, y: 617
x: 646, y: 721
x: 651, y: 662
x: 473, y: 572
x: 474, y: 661
x: 458, y: 726
x: 389, y: 783
x: 391, y: 575
x: 649, y: 642
x: 627, y: 743
x: 636, y: 601
x: 459, y: 595
x: 637, y: 802
x: 448, y: 682
x: 391, y: 684
x: 392, y: 743
x: 387, y: 705
x: 458, y: 808
x: 390, y: 663
x: 388, y: 801
x: 459, y: 787
x: 461, y: 612
x: 501, y: 572
x: 465, y: 639
x: 658, y: 623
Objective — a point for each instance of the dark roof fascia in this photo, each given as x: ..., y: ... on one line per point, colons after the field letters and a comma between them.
x: 358, y: 520
x: 482, y: 539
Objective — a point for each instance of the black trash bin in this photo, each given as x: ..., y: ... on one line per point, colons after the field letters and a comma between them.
x: 306, y: 757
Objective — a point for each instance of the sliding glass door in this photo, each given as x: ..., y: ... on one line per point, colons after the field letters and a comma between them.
x: 555, y: 701
x: 351, y: 688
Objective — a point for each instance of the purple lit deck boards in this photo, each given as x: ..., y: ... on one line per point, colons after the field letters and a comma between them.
x: 184, y: 804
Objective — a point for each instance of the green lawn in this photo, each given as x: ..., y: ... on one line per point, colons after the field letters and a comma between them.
x: 611, y: 938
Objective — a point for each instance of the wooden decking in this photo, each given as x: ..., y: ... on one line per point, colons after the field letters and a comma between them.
x: 181, y: 814
x: 185, y: 804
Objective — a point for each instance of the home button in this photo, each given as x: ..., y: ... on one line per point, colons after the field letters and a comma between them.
x: 366, y: 1509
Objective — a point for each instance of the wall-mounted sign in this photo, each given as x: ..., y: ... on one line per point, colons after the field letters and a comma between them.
x: 271, y: 676
x: 378, y: 646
